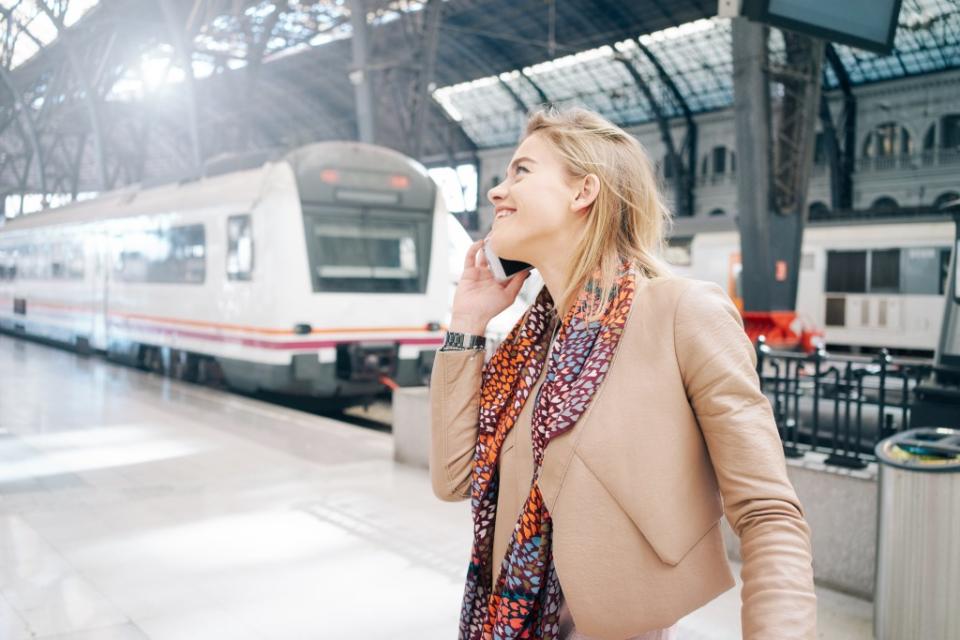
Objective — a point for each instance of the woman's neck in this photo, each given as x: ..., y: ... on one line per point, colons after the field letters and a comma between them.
x: 556, y: 278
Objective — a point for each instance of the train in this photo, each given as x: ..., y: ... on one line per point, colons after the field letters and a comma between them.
x: 329, y: 271
x: 863, y: 285
x: 322, y: 271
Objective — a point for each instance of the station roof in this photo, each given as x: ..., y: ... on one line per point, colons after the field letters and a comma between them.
x: 275, y: 74
x: 697, y: 56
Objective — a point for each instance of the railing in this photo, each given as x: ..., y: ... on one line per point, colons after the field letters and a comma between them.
x: 865, y: 399
x: 926, y: 158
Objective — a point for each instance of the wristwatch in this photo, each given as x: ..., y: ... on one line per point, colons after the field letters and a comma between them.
x: 456, y: 341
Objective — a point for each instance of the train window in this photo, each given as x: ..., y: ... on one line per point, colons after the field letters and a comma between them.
x: 174, y: 256
x: 945, y: 270
x: 836, y: 312
x: 239, y: 248
x: 956, y: 272
x: 919, y: 271
x: 846, y: 271
x: 368, y: 251
x: 7, y: 268
x: 885, y: 271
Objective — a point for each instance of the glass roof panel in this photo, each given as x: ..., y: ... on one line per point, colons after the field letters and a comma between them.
x: 697, y: 57
x: 29, y: 28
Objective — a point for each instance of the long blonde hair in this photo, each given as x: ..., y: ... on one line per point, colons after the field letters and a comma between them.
x: 629, y: 218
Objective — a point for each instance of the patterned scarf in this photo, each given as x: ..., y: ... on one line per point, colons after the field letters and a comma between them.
x: 526, y: 600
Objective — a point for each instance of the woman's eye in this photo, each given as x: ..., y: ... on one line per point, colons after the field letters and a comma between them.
x: 521, y: 168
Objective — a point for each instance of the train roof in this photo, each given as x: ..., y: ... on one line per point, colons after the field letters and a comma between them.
x: 240, y: 187
x: 688, y: 227
x: 227, y: 179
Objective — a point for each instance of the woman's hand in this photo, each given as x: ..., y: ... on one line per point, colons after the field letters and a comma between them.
x: 479, y: 296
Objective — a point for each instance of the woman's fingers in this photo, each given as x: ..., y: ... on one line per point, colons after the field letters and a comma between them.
x: 483, y: 263
x: 470, y: 260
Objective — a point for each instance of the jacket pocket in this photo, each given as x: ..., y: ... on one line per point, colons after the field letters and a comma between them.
x: 673, y: 516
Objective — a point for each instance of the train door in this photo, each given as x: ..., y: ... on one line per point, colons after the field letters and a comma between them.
x: 99, y: 283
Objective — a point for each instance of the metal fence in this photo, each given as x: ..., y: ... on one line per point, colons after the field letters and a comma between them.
x: 838, y: 404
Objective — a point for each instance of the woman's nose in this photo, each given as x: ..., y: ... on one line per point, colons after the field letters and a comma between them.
x: 496, y: 193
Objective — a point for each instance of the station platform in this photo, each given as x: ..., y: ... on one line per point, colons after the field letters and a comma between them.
x: 133, y: 506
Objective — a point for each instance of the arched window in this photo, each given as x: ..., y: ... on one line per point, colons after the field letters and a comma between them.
x: 818, y: 211
x: 930, y: 138
x: 719, y: 154
x: 884, y: 205
x: 949, y: 151
x: 930, y: 145
x: 950, y: 131
x: 945, y: 199
x: 887, y: 142
x: 721, y: 163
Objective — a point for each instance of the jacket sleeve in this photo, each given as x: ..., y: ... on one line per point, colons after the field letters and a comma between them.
x: 718, y: 365
x: 454, y: 421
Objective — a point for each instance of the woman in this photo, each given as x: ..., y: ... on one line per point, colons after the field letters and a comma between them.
x: 597, y: 442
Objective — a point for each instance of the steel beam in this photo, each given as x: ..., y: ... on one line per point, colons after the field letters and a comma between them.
x: 175, y: 29
x: 841, y: 158
x: 751, y: 104
x: 428, y: 63
x: 87, y: 89
x: 23, y: 112
x: 685, y: 172
x: 359, y: 73
x: 663, y: 123
x: 771, y: 195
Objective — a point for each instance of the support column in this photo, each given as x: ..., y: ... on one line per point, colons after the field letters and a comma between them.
x: 175, y: 29
x: 359, y: 75
x: 751, y: 105
x: 775, y: 154
x: 428, y: 61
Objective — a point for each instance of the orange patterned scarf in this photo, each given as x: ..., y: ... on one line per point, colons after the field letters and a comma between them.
x: 525, y: 602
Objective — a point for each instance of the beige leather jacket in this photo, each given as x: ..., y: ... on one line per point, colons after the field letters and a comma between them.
x: 678, y: 435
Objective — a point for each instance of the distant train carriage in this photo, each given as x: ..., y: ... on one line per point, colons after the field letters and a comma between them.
x: 868, y: 285
x: 315, y: 273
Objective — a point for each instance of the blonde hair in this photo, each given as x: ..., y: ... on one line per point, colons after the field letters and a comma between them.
x: 628, y: 219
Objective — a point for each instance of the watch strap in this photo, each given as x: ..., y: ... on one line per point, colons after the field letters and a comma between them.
x: 456, y: 341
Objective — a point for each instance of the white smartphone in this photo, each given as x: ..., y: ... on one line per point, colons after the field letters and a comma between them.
x: 502, y: 268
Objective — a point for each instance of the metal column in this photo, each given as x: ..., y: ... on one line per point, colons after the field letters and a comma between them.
x: 774, y: 156
x: 359, y: 75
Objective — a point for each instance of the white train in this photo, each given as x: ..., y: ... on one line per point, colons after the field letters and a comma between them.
x: 867, y: 284
x: 324, y: 272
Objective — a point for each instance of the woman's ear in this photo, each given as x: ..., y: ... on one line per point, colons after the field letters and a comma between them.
x: 589, y: 190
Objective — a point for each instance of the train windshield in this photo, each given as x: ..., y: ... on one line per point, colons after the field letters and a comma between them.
x: 368, y: 251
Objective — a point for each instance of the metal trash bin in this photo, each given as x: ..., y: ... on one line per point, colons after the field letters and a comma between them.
x: 917, y: 593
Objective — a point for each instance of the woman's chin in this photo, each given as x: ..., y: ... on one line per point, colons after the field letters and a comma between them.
x: 503, y: 247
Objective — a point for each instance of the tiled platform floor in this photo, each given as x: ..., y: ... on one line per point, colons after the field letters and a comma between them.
x: 135, y: 507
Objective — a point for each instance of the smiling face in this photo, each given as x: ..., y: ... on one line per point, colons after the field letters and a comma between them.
x: 539, y: 207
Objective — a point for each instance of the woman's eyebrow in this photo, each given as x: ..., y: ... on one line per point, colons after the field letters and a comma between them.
x: 519, y: 160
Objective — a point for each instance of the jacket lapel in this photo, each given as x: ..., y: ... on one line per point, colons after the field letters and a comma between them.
x: 560, y: 449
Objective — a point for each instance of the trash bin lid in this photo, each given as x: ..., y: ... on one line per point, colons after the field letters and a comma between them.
x: 922, y: 449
